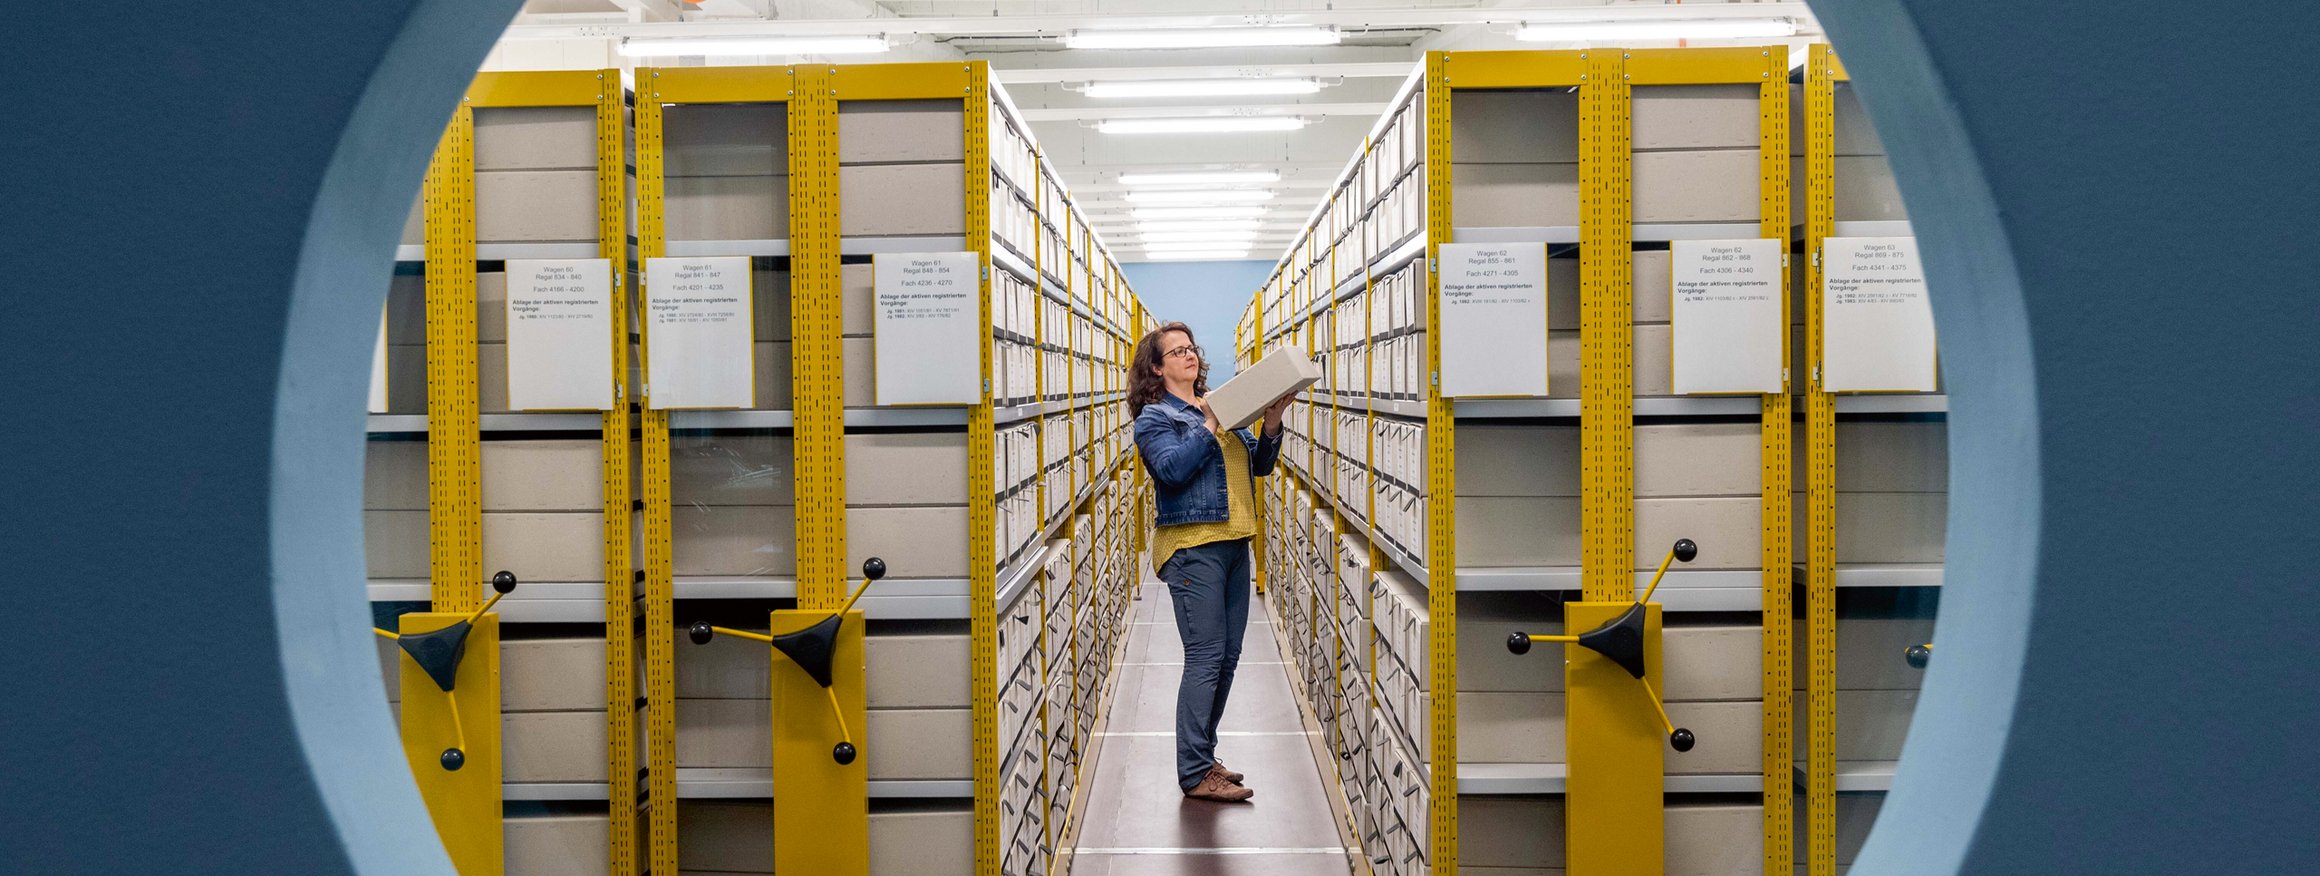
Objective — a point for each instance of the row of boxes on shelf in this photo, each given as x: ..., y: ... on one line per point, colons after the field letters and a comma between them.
x: 1017, y: 369
x: 733, y: 497
x: 1510, y: 706
x: 1021, y: 516
x: 1518, y: 499
x: 1050, y: 694
x: 731, y: 836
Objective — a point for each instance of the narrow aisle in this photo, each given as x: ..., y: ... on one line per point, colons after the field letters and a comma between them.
x: 1138, y: 823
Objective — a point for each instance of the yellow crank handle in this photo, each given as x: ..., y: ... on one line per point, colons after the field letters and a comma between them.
x: 1685, y: 549
x: 1678, y: 738
x: 385, y: 635
x: 1520, y: 642
x: 844, y: 752
x: 702, y: 631
x: 502, y: 583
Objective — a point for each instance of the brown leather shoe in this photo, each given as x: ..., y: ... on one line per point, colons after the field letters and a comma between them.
x: 1230, y: 776
x: 1214, y: 787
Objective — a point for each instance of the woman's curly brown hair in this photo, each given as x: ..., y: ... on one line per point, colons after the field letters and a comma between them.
x: 1144, y: 383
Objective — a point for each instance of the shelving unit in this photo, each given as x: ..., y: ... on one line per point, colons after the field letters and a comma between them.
x: 1423, y: 528
x: 1875, y: 492
x: 810, y: 174
x: 532, y: 166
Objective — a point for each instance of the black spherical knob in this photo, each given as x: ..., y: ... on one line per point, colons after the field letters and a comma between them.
x: 843, y: 753
x: 1687, y: 549
x: 874, y: 568
x: 503, y: 581
x: 1519, y: 643
x: 1918, y: 655
x: 1682, y: 739
x: 701, y: 633
x: 453, y: 759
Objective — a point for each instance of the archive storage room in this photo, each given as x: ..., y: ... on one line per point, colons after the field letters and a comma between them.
x: 935, y: 437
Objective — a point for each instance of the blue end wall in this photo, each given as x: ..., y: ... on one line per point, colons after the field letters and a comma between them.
x: 1208, y: 296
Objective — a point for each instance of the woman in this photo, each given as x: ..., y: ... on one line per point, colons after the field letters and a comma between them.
x: 1204, y: 484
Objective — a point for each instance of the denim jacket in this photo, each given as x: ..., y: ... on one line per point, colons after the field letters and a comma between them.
x: 1187, y: 464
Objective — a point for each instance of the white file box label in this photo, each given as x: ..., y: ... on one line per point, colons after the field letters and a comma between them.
x: 699, y: 350
x: 1877, y: 326
x: 928, y: 327
x: 379, y: 369
x: 1493, y: 321
x: 559, y: 334
x: 1729, y: 316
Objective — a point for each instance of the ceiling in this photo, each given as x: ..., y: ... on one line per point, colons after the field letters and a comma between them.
x: 1379, y: 43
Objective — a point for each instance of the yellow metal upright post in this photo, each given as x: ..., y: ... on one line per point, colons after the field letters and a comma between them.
x: 653, y: 481
x: 1821, y: 73
x: 1778, y: 479
x: 982, y: 511
x: 454, y: 460
x: 1441, y: 486
x: 817, y: 371
x: 1607, y: 332
x: 620, y: 730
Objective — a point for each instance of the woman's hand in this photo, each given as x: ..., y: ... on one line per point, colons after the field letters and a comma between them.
x: 1214, y: 427
x: 1273, y: 416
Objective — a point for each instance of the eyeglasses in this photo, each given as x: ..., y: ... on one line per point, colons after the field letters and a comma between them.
x: 1186, y: 350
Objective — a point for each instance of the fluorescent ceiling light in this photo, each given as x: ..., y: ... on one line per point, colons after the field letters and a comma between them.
x: 1201, y: 125
x: 1199, y: 177
x: 1199, y: 38
x: 1200, y: 196
x: 1712, y: 28
x: 801, y: 45
x: 1151, y: 237
x: 1146, y: 213
x: 1211, y: 225
x: 1200, y: 87
x: 1207, y: 255
x: 1164, y: 245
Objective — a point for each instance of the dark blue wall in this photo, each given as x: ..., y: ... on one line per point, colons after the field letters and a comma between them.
x: 1208, y: 296
x: 2114, y: 211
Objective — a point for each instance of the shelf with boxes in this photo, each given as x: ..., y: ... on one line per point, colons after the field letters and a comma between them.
x: 1689, y: 145
x: 1874, y: 487
x: 733, y: 511
x: 465, y: 475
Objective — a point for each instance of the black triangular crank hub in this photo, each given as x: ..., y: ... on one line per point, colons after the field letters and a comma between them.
x: 813, y: 648
x: 1620, y: 640
x: 438, y: 652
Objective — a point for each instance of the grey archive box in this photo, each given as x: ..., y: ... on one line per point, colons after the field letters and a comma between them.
x: 736, y: 836
x: 1891, y: 457
x: 912, y: 671
x: 918, y: 744
x: 564, y: 546
x: 1714, y: 839
x: 1716, y: 185
x: 559, y: 844
x: 1694, y: 117
x: 554, y: 746
x: 1730, y: 734
x: 902, y: 199
x: 552, y: 675
x: 1514, y: 127
x: 725, y: 140
x: 726, y: 207
x: 535, y: 138
x: 893, y: 131
x: 1544, y: 531
x: 916, y: 542
x: 769, y: 298
x: 529, y: 206
x: 1492, y: 195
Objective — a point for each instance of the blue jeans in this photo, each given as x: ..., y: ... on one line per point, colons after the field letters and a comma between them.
x: 1209, y: 587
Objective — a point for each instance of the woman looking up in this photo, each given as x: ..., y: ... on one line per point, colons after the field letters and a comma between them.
x: 1204, y: 484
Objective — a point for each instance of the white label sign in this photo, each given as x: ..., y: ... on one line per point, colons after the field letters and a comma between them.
x: 1729, y: 316
x: 928, y: 327
x: 1493, y: 320
x: 1876, y: 324
x: 559, y: 334
x: 379, y: 370
x: 700, y: 348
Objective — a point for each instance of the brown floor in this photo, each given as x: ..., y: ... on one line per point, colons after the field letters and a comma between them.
x: 1137, y: 823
